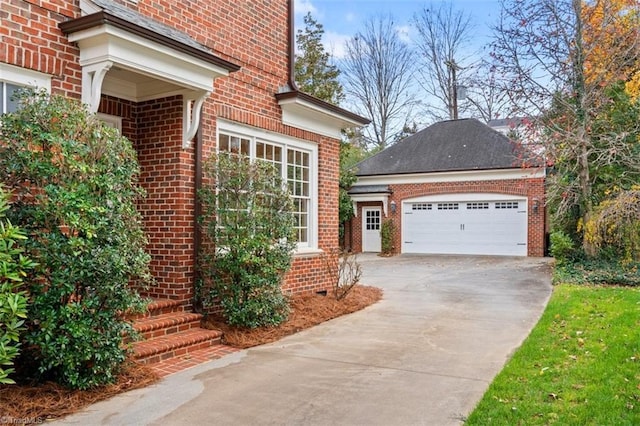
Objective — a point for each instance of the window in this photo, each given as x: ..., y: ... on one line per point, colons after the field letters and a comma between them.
x: 111, y: 120
x: 478, y: 206
x: 6, y: 92
x: 296, y: 161
x: 447, y: 206
x: 13, y: 78
x: 372, y: 220
x: 421, y: 206
x: 298, y: 181
x: 507, y: 205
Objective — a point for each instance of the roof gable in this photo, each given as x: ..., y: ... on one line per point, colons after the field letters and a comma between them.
x: 454, y: 145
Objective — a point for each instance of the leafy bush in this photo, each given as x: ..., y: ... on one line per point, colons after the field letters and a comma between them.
x: 606, y: 271
x: 562, y: 246
x: 74, y: 185
x: 249, y: 225
x: 387, y: 231
x: 13, y: 299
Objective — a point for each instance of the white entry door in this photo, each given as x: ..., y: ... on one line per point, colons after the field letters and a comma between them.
x: 371, y: 219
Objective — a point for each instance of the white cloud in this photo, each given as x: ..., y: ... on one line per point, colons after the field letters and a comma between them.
x: 350, y: 17
x: 302, y: 7
x: 334, y: 43
x: 404, y: 33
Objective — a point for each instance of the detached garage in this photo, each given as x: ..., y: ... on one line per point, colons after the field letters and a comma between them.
x: 456, y: 187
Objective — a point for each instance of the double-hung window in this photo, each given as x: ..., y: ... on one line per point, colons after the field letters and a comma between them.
x: 13, y: 78
x: 296, y: 160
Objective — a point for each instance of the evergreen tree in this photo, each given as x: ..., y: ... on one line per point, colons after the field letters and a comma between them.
x: 314, y: 73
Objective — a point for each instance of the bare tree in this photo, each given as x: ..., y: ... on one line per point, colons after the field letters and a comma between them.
x: 378, y: 74
x: 563, y: 61
x: 443, y: 35
x: 486, y: 96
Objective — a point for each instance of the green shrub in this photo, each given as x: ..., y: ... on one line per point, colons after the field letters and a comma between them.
x: 600, y: 271
x: 13, y: 298
x: 74, y: 185
x: 387, y: 231
x: 562, y: 246
x: 250, y: 230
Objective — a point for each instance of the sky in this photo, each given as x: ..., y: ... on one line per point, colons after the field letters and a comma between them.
x: 342, y: 19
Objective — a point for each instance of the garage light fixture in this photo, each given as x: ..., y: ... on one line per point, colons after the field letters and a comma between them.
x: 393, y: 206
x: 536, y: 205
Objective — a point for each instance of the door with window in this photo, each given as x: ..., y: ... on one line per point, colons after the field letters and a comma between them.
x: 371, y: 220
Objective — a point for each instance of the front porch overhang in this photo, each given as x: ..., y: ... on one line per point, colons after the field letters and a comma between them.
x: 309, y: 113
x: 139, y: 62
x: 370, y: 193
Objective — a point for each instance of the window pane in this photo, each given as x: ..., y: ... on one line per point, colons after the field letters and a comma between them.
x: 244, y: 146
x: 223, y: 142
x: 12, y: 105
x: 298, y: 176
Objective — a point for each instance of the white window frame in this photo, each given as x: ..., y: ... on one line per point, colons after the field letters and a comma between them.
x: 110, y: 120
x: 22, y: 77
x: 255, y: 134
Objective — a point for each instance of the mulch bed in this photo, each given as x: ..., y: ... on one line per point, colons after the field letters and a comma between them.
x: 34, y: 404
x: 306, y: 311
x: 24, y: 403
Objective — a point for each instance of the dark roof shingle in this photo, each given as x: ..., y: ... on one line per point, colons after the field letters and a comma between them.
x: 453, y: 145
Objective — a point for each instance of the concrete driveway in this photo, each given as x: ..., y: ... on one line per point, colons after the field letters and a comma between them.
x: 424, y: 355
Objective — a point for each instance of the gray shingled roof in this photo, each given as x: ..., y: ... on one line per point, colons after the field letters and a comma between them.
x: 453, y: 145
x: 370, y: 189
x: 139, y: 19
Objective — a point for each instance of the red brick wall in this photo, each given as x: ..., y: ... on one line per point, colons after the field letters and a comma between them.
x: 530, y: 188
x: 250, y: 34
x: 30, y: 38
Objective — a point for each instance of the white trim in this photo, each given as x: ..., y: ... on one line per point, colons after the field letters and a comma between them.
x: 24, y: 77
x: 92, y: 77
x: 364, y: 198
x: 308, y: 116
x: 464, y: 197
x: 459, y: 176
x: 254, y: 134
x: 191, y: 107
x: 135, y: 53
x: 111, y: 120
x: 166, y: 72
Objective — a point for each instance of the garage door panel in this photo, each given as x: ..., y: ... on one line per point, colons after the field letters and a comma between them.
x: 479, y: 227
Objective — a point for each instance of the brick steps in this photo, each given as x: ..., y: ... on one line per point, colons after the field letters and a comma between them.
x: 164, y: 324
x: 170, y: 332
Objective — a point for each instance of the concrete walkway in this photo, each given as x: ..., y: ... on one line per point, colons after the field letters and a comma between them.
x: 424, y: 355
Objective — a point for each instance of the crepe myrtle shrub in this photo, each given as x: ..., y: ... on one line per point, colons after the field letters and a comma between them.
x: 249, y: 240
x: 74, y: 191
x: 13, y: 298
x: 344, y: 270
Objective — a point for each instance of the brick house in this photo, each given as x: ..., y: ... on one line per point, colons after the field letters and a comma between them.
x: 182, y: 79
x: 456, y: 187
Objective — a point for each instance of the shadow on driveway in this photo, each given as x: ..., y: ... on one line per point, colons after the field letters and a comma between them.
x: 425, y: 354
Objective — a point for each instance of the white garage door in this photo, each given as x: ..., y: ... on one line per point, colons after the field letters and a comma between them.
x: 490, y: 227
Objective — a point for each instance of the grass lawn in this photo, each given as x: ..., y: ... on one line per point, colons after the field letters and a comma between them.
x: 579, y: 366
